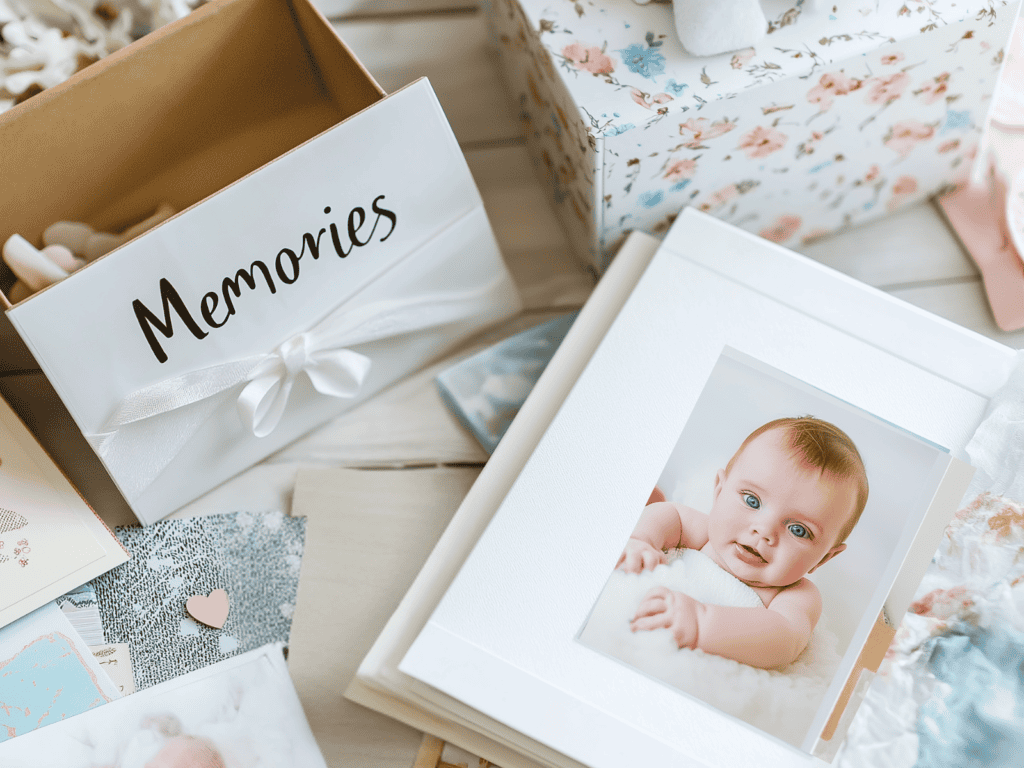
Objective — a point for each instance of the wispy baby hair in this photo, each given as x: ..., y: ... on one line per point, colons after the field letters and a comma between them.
x: 824, y: 446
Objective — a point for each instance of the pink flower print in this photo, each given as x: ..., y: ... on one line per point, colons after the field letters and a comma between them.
x: 907, y: 134
x: 892, y: 58
x: 934, y: 89
x: 701, y: 129
x: 740, y: 58
x: 948, y: 146
x: 885, y: 90
x: 814, y: 235
x: 830, y: 85
x: 591, y: 59
x: 944, y: 603
x: 646, y: 100
x: 904, y: 186
x: 762, y: 141
x: 720, y: 198
x: 681, y: 169
x: 872, y: 173
x: 783, y: 228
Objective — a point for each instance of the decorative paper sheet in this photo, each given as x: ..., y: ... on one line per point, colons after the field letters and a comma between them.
x: 254, y: 557
x: 47, y: 674
x: 83, y: 611
x: 486, y: 391
x: 241, y: 712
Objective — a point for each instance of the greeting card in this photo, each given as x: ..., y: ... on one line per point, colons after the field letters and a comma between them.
x: 50, y: 539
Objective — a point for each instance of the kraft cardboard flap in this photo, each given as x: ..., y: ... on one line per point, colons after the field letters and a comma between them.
x: 176, y: 116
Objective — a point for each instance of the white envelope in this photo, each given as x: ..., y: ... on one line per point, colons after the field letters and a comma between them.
x: 338, y: 268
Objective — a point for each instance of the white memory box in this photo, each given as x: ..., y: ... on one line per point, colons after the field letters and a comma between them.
x: 273, y: 305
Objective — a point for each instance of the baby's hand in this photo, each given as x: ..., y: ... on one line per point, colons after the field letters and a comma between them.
x: 662, y: 608
x: 639, y: 556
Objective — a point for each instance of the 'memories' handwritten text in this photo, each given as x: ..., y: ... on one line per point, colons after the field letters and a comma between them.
x: 285, y: 269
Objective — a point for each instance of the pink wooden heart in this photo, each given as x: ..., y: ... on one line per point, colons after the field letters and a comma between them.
x: 212, y: 610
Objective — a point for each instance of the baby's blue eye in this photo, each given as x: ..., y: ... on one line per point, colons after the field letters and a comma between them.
x: 751, y: 501
x: 799, y: 531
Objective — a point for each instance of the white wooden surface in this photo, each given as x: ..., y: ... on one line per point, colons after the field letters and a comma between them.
x: 911, y: 254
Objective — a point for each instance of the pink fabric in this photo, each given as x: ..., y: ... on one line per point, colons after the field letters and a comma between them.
x: 976, y: 212
x: 988, y: 214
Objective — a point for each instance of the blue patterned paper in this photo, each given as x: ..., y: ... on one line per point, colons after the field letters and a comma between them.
x: 486, y: 391
x: 47, y: 674
x: 43, y: 684
x: 979, y: 719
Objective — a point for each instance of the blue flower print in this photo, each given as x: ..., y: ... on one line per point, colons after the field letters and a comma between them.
x: 675, y: 88
x: 645, y: 61
x: 617, y: 129
x: 651, y: 199
x: 957, y: 120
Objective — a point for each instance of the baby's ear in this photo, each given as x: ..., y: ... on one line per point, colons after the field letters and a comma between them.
x: 828, y: 556
x: 719, y: 482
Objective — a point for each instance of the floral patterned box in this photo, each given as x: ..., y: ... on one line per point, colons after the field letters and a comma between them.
x: 846, y: 110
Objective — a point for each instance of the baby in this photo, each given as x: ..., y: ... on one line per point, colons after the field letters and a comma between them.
x: 783, y: 507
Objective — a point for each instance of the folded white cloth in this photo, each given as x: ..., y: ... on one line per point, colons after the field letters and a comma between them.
x: 997, y: 448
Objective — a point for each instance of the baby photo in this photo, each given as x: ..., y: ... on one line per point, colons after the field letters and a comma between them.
x: 771, y: 539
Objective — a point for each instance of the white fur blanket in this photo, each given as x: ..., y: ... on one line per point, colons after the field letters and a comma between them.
x: 781, y: 702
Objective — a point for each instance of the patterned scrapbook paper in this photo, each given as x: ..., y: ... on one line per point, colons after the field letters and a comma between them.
x: 83, y: 611
x: 486, y: 391
x: 47, y: 673
x: 256, y: 558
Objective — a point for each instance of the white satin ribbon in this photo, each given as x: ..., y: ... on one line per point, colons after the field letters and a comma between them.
x: 152, y: 425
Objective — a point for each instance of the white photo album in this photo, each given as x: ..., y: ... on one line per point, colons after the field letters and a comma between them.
x: 724, y: 334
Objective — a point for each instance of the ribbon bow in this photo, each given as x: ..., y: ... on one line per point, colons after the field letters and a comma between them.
x: 334, y: 372
x: 152, y: 425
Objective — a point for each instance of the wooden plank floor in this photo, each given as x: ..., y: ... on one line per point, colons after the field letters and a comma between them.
x: 912, y: 255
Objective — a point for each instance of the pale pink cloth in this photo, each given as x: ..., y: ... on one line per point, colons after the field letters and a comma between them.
x: 988, y: 212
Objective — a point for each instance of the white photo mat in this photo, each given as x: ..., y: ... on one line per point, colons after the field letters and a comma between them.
x: 909, y: 481
x: 508, y: 623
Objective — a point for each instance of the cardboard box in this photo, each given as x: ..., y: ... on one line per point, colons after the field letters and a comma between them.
x: 843, y: 112
x: 331, y: 240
